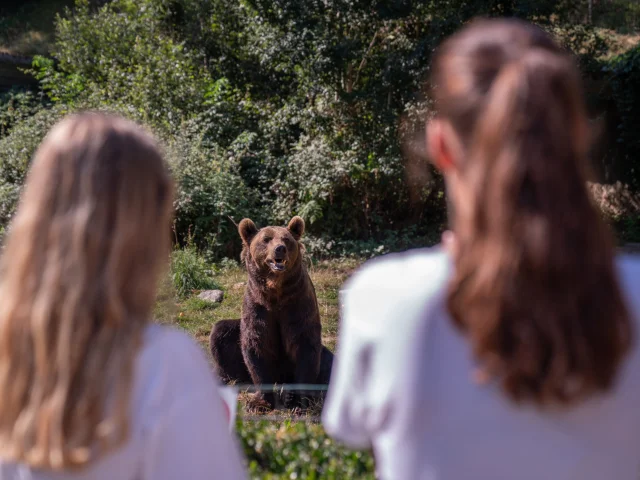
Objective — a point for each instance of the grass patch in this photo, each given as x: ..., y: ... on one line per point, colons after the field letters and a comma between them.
x: 328, y: 277
x: 299, y: 450
x: 190, y: 273
x: 197, y: 304
x: 198, y: 317
x: 618, y: 43
x: 295, y: 447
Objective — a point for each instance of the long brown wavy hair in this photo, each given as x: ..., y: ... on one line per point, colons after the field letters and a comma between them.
x: 535, y: 289
x: 78, y: 282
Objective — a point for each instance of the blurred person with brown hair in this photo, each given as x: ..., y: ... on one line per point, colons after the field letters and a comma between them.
x: 91, y: 388
x: 513, y: 355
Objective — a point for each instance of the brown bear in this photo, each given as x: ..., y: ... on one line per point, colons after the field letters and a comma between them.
x: 278, y: 338
x: 226, y: 350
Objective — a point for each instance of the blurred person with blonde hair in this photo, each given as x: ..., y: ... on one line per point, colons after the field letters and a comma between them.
x: 91, y: 387
x: 510, y: 354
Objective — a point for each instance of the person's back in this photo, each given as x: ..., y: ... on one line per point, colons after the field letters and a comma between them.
x: 92, y: 389
x: 178, y: 428
x: 414, y: 398
x: 513, y: 355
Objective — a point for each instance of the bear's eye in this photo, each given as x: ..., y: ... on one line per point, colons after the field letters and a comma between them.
x: 266, y: 239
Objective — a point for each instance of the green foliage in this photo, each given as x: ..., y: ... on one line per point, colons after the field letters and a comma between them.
x: 16, y: 151
x: 16, y: 106
x: 121, y: 57
x: 622, y: 15
x: 273, y: 108
x: 197, y: 304
x: 628, y: 229
x: 26, y: 27
x: 190, y: 272
x: 336, y: 79
x: 226, y: 265
x: 583, y: 40
x: 321, y: 248
x: 299, y: 450
x: 625, y: 79
x: 210, y: 194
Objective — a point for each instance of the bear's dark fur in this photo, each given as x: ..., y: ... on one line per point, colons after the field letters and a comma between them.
x: 280, y: 331
x: 224, y: 343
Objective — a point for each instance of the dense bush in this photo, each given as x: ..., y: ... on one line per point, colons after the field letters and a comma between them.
x: 211, y: 196
x: 190, y: 272
x: 16, y: 151
x: 120, y: 57
x: 273, y: 108
x: 624, y: 81
x: 299, y: 450
x: 622, y: 15
x: 620, y: 206
x: 16, y: 106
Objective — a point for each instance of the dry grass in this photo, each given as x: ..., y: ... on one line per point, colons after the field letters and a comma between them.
x: 198, y: 317
x: 618, y: 43
x: 328, y: 277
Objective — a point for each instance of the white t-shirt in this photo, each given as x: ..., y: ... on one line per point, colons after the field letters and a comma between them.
x: 401, y: 384
x: 179, y: 429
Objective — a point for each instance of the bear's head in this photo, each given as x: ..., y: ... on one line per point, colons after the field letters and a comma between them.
x: 272, y: 249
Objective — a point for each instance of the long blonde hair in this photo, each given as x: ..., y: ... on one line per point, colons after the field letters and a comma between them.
x: 77, y: 286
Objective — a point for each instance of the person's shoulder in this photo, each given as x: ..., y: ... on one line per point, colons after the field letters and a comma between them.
x: 420, y: 269
x: 628, y: 267
x: 404, y: 287
x: 172, y: 355
x: 171, y: 374
x: 167, y: 339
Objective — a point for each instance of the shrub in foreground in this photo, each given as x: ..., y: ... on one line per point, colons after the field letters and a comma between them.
x: 189, y: 272
x: 297, y: 450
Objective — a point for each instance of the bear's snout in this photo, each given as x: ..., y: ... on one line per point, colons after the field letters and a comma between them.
x: 280, y: 252
x: 273, y: 250
x: 278, y: 258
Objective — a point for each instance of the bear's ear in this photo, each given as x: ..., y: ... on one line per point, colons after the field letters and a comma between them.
x: 247, y: 230
x: 296, y: 227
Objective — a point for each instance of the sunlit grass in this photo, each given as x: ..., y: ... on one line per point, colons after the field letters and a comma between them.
x: 198, y: 317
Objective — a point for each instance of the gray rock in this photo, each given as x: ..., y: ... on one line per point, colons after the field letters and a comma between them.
x: 214, y: 296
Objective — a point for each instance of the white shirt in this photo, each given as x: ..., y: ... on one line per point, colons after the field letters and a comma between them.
x: 179, y: 429
x: 401, y: 384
